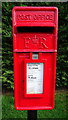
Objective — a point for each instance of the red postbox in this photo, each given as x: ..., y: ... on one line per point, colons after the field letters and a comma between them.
x: 35, y: 49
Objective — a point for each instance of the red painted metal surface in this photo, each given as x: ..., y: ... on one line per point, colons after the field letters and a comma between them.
x: 34, y: 31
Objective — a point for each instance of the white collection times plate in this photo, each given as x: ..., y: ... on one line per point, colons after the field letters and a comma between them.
x: 34, y: 84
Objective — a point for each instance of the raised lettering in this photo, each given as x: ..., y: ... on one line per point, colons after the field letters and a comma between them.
x: 35, y: 42
x: 27, y: 42
x: 35, y: 17
x: 42, y: 43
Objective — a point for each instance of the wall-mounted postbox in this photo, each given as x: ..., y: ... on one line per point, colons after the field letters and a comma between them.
x: 35, y: 48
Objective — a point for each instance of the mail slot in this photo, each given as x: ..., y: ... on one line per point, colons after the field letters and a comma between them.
x: 35, y: 50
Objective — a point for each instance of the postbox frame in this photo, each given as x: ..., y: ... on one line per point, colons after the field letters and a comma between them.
x: 18, y: 54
